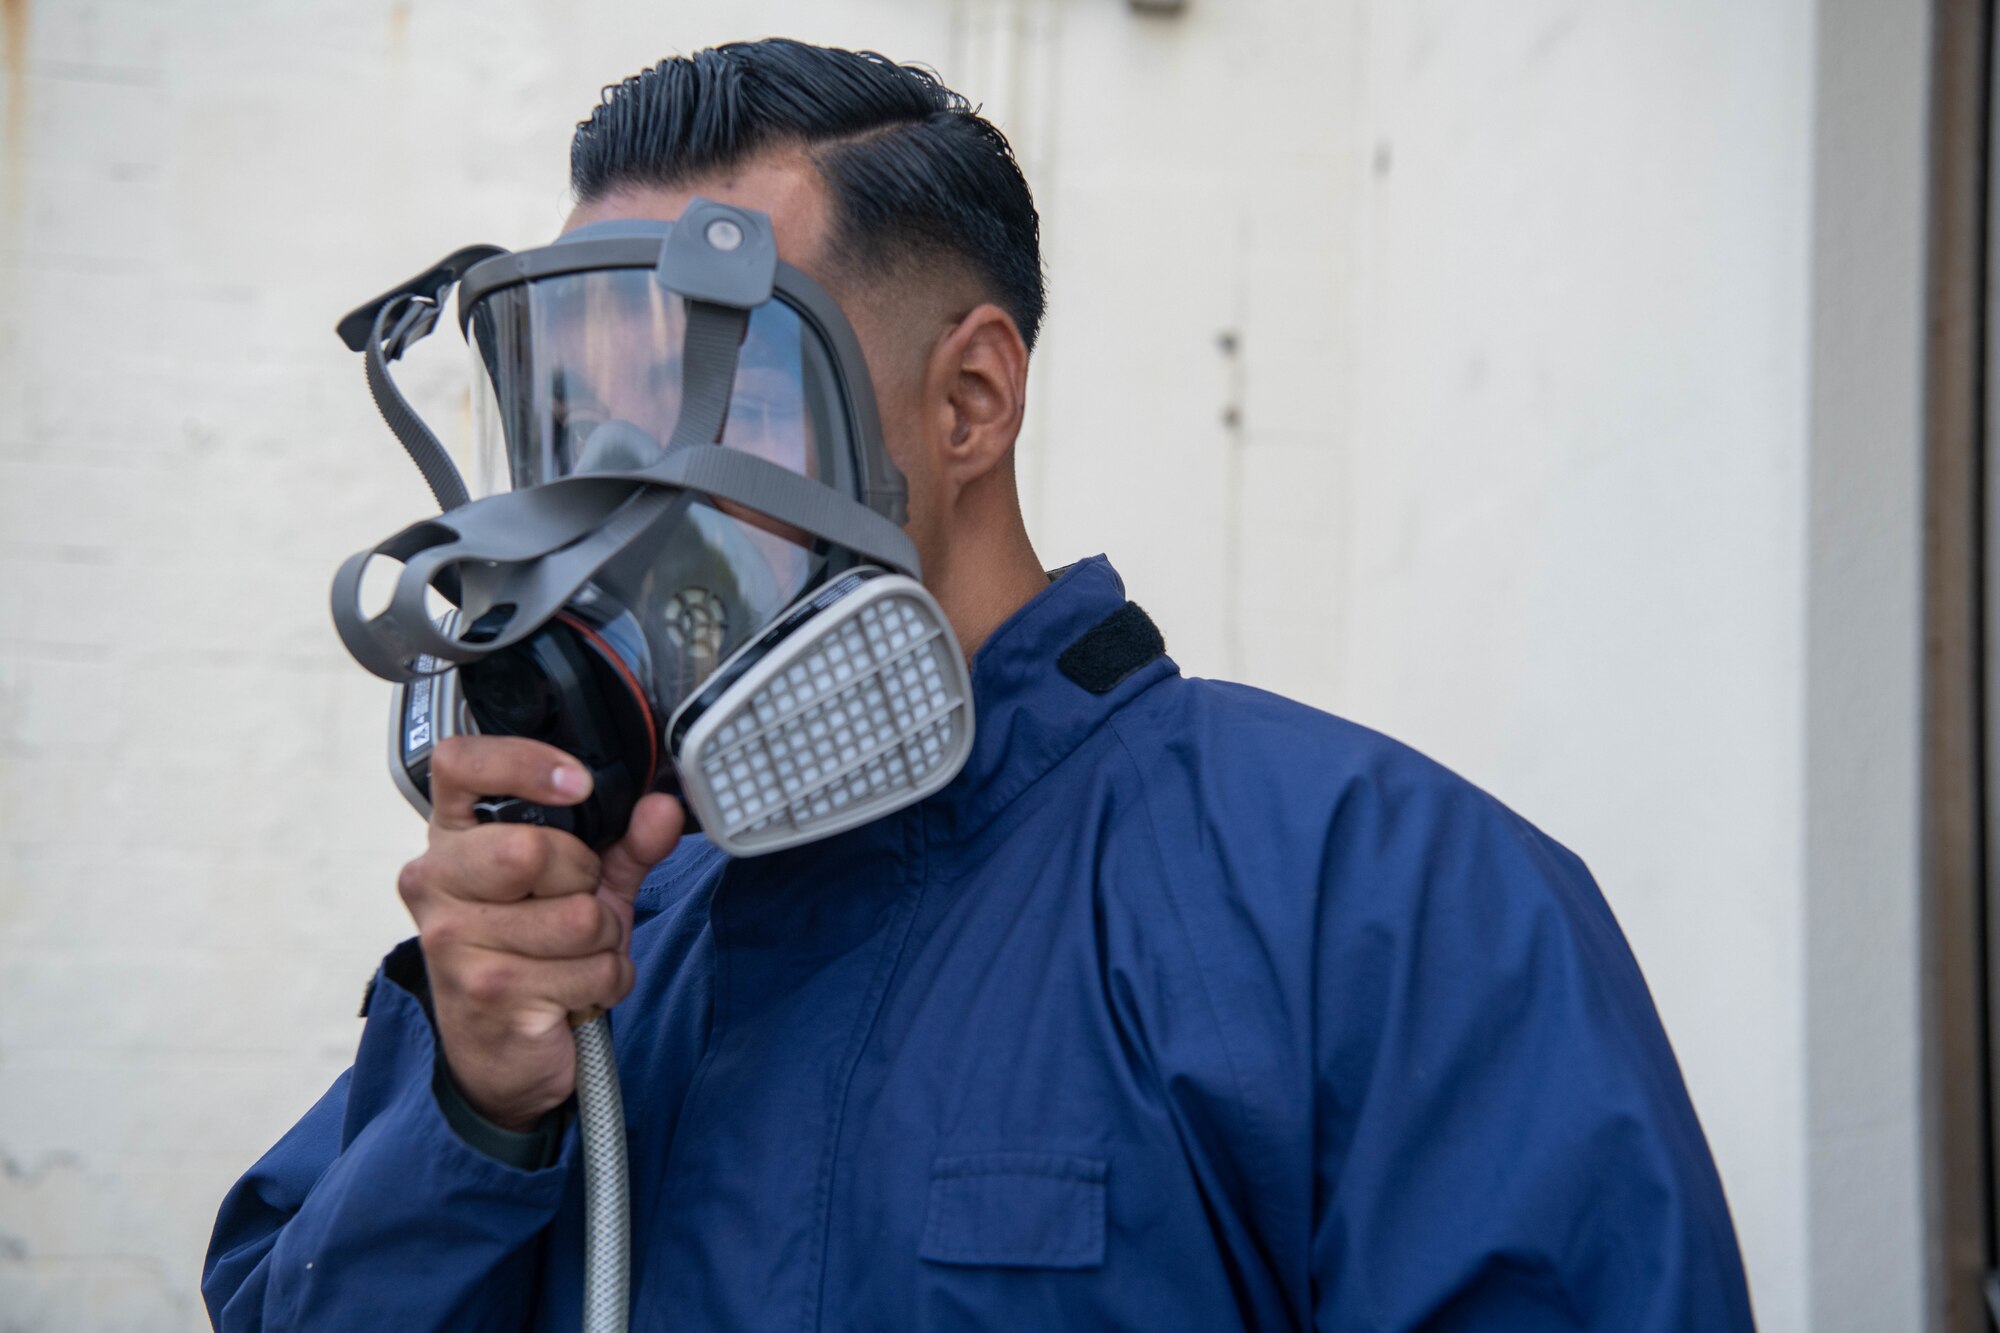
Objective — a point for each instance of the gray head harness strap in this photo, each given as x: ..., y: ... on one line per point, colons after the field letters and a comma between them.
x: 382, y: 330
x: 533, y: 549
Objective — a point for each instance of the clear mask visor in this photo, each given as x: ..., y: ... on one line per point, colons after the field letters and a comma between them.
x: 555, y: 358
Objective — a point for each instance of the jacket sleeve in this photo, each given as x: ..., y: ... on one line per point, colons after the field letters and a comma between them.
x: 372, y: 1213
x: 1503, y: 1138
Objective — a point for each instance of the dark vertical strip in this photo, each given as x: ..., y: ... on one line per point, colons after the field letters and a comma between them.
x: 14, y: 114
x: 1983, y: 570
x: 1956, y: 920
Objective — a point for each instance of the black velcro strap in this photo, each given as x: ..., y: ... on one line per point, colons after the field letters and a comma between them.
x: 1113, y: 649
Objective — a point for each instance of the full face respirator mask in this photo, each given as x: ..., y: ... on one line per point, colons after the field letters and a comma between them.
x: 685, y: 565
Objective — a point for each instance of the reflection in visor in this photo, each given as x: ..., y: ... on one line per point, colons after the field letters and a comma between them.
x: 555, y: 358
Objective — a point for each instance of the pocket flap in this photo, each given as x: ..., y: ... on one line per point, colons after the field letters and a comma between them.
x: 1016, y: 1210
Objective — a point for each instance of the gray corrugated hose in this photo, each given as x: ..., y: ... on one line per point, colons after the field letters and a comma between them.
x: 607, y: 1220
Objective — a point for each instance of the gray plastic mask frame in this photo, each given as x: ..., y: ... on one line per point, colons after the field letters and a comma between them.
x: 698, y: 272
x: 529, y: 551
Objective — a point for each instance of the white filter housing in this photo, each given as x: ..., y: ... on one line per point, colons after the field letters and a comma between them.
x: 864, y: 708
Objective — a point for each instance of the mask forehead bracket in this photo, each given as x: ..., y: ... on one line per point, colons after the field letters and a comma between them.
x: 719, y: 254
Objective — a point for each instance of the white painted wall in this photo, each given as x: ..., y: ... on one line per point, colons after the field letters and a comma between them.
x: 1447, y: 364
x: 1576, y: 521
x: 1863, y: 688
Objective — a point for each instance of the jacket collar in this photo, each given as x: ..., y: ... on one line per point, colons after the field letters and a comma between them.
x: 1028, y: 713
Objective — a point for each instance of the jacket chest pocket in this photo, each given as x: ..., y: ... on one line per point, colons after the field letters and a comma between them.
x: 1015, y: 1210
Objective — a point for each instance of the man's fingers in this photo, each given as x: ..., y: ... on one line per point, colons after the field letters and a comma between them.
x: 501, y: 863
x: 656, y: 826
x: 573, y: 927
x: 509, y: 987
x: 466, y: 768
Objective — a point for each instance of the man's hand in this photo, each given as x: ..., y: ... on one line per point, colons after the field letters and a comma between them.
x: 522, y: 925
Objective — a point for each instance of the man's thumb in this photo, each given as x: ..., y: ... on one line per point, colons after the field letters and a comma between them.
x: 656, y: 826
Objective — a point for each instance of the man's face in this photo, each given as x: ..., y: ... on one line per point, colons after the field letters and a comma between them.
x: 609, y: 347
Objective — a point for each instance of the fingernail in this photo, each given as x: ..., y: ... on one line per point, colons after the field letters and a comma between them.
x: 567, y: 780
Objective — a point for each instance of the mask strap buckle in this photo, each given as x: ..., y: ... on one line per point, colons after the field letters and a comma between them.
x: 415, y: 315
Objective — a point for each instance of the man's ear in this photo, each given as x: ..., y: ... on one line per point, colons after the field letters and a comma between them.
x: 976, y: 388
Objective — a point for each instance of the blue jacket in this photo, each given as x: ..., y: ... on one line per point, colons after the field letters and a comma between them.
x: 1182, y: 1007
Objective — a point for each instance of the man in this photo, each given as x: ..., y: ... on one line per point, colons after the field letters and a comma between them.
x: 1182, y: 1007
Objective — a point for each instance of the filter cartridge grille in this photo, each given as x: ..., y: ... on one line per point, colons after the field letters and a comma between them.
x: 862, y: 717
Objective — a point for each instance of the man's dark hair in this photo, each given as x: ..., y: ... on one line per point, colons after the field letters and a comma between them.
x: 913, y: 170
